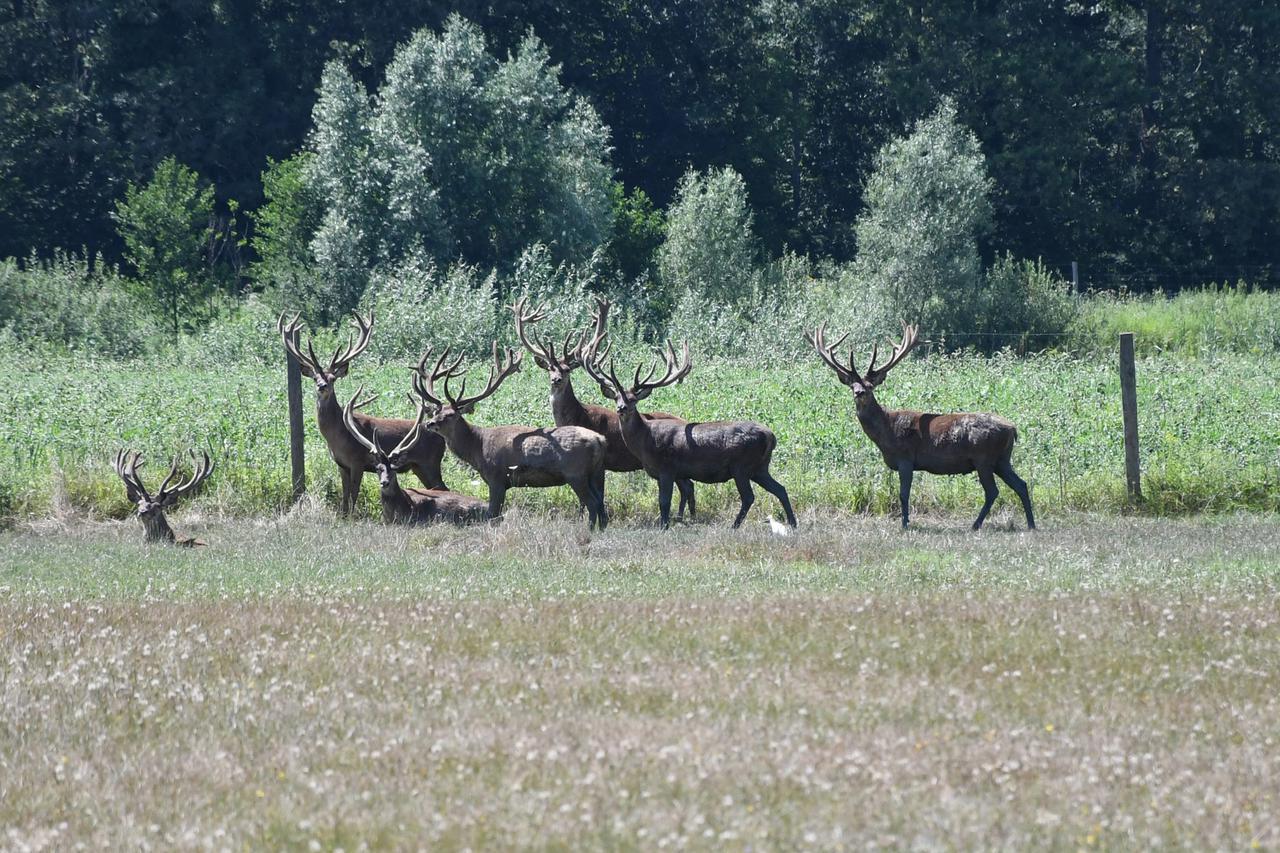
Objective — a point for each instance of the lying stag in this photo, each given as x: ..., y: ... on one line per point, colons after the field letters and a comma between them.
x: 352, y: 458
x: 940, y: 444
x: 569, y: 411
x: 151, y: 509
x: 511, y: 456
x: 409, y: 506
x: 712, y: 452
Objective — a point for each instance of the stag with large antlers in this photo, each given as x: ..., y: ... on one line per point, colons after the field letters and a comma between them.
x: 567, y: 410
x: 352, y: 457
x: 711, y: 452
x: 407, y: 505
x: 511, y: 456
x: 917, y: 441
x: 151, y: 509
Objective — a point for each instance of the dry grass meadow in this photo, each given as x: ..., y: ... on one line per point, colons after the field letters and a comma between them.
x: 307, y: 684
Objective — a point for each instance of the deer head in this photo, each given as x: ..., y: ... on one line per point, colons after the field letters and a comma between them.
x: 290, y: 332
x: 862, y: 385
x: 150, y: 509
x: 558, y: 366
x: 450, y: 408
x: 387, y: 464
x: 626, y: 397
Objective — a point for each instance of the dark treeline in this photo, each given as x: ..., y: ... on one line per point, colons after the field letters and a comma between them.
x: 1142, y: 139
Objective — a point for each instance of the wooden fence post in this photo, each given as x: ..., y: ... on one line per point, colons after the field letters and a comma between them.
x: 1075, y: 277
x: 293, y: 376
x: 1129, y: 403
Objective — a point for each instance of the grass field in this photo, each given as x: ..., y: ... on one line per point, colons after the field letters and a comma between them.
x: 303, y: 683
x: 1210, y: 432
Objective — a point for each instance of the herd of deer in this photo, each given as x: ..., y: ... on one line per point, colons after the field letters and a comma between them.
x: 588, y: 440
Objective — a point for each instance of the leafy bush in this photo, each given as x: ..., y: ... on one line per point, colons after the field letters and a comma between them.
x: 417, y: 305
x: 1025, y: 306
x: 927, y: 206
x: 710, y: 253
x: 284, y: 227
x: 70, y: 303
x: 244, y: 335
x: 165, y: 225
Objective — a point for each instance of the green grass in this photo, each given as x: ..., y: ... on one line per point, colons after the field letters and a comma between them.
x: 1210, y: 432
x: 304, y: 682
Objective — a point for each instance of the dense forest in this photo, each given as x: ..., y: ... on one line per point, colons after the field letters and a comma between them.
x: 1140, y: 139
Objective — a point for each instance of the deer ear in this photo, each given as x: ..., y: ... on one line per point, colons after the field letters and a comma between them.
x: 340, y: 371
x: 541, y: 362
x: 468, y: 409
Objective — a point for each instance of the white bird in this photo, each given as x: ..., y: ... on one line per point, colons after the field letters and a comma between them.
x: 778, y: 528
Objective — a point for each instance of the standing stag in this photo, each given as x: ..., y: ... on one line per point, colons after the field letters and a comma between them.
x: 352, y: 457
x: 511, y: 456
x: 711, y: 452
x: 409, y: 506
x: 151, y: 509
x: 940, y: 444
x: 569, y: 411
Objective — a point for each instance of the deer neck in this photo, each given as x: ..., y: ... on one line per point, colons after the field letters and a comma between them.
x: 565, y: 407
x: 465, y: 442
x: 329, y: 414
x: 874, y: 420
x: 635, y: 433
x: 157, y: 527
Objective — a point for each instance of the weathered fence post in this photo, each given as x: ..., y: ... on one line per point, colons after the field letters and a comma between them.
x: 294, y: 382
x: 1075, y: 277
x: 1129, y: 403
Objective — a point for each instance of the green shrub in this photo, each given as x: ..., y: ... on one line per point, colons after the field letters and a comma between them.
x: 1024, y: 306
x: 710, y: 252
x: 72, y: 304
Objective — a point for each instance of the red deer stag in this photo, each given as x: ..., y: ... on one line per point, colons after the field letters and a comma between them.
x: 352, y: 458
x: 917, y: 441
x: 511, y: 456
x: 712, y: 452
x: 151, y: 509
x: 569, y: 411
x: 409, y: 506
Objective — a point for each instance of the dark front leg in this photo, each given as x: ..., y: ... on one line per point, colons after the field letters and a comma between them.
x: 351, y: 481
x: 747, y: 495
x: 992, y: 492
x: 497, y: 497
x: 905, y: 473
x: 665, y: 482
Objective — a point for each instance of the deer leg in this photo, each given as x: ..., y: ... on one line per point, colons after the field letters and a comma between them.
x: 993, y: 491
x: 429, y: 475
x: 347, y: 487
x: 773, y: 487
x: 497, y: 497
x: 905, y: 474
x: 597, y: 493
x: 586, y: 500
x: 686, y: 498
x: 748, y: 497
x: 1005, y: 472
x: 665, y: 483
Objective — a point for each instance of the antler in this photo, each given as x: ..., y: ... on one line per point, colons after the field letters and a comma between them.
x: 371, y: 444
x: 847, y: 375
x: 676, y: 370
x: 910, y: 337
x: 342, y: 357
x: 544, y: 353
x: 126, y: 465
x: 424, y: 382
x: 168, y: 495
x: 501, y: 368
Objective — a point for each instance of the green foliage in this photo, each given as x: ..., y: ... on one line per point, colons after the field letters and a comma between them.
x: 283, y: 228
x: 165, y: 226
x: 459, y: 156
x: 1024, y: 306
x: 1226, y: 318
x: 72, y: 304
x: 927, y: 208
x: 710, y: 252
x: 638, y: 229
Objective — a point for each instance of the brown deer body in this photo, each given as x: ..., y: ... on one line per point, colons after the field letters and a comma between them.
x: 513, y: 456
x: 351, y: 457
x: 150, y: 510
x: 568, y: 410
x: 410, y: 506
x: 912, y: 441
x: 710, y: 452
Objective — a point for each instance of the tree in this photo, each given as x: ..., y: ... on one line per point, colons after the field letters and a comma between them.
x: 165, y: 226
x: 927, y: 206
x: 459, y: 156
x: 710, y: 250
